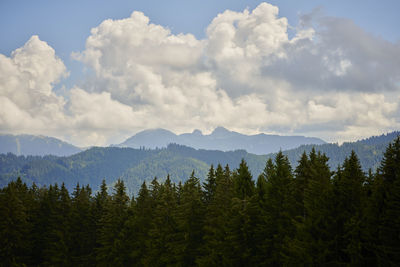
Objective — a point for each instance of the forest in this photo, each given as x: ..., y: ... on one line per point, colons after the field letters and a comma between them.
x: 306, y: 216
x: 134, y: 166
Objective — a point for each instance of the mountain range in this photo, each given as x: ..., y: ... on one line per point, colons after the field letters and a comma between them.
x: 39, y: 145
x: 137, y: 165
x: 220, y: 139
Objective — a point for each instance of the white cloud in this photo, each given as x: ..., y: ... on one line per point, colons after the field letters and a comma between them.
x: 28, y: 103
x: 331, y: 79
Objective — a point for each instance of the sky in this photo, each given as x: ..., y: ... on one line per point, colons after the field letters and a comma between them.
x: 96, y: 72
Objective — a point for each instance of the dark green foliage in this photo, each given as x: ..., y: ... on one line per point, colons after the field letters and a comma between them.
x: 14, y: 224
x: 110, y: 227
x: 216, y: 249
x: 277, y: 210
x: 349, y: 197
x: 137, y: 165
x: 387, y: 207
x: 308, y: 217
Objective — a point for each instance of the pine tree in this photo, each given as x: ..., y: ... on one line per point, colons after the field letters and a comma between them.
x: 315, y: 235
x: 243, y: 181
x: 239, y: 221
x: 111, y: 225
x: 14, y: 225
x: 209, y: 186
x: 83, y: 228
x: 302, y: 175
x: 216, y: 249
x: 190, y: 219
x: 257, y: 210
x: 277, y: 227
x: 164, y: 230
x: 387, y: 193
x: 349, y: 198
x: 138, y: 226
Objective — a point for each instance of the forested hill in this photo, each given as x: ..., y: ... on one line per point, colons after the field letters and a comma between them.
x: 132, y: 165
x: 137, y: 165
x: 370, y: 151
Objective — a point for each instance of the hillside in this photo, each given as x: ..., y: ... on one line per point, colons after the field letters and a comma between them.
x: 220, y: 139
x: 137, y: 165
x: 35, y: 145
x: 369, y: 151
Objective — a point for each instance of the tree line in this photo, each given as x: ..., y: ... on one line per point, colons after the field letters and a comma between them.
x: 309, y: 216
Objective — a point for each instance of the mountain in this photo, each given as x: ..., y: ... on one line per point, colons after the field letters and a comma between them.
x: 219, y: 139
x: 370, y: 151
x: 35, y: 145
x: 137, y: 165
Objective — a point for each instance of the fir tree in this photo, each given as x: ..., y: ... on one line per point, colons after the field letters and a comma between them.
x: 111, y: 224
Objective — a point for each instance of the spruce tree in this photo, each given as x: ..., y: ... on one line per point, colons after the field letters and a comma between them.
x: 216, y: 248
x: 243, y: 181
x: 14, y: 225
x: 111, y: 225
x: 277, y: 227
x: 349, y: 198
x: 190, y: 219
x: 209, y: 186
x: 315, y: 235
x: 388, y: 194
x: 164, y: 230
x: 82, y: 227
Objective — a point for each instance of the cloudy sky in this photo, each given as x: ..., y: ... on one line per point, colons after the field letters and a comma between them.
x: 94, y: 73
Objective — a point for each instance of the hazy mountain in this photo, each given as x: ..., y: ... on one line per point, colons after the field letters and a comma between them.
x: 137, y: 165
x: 219, y: 139
x: 35, y: 145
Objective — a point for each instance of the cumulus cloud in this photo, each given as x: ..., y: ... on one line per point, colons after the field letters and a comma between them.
x: 27, y: 102
x: 331, y: 79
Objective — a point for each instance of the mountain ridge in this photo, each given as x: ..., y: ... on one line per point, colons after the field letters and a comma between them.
x: 220, y: 139
x: 39, y: 145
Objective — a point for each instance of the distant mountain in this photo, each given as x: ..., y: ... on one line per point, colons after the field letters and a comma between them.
x: 35, y: 145
x: 137, y: 165
x: 219, y: 139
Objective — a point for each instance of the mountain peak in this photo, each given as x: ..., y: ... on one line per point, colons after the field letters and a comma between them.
x: 220, y: 131
x: 197, y: 132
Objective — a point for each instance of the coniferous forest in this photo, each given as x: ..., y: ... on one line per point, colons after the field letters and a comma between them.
x: 307, y: 216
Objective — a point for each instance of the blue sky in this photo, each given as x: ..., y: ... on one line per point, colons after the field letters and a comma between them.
x: 64, y: 26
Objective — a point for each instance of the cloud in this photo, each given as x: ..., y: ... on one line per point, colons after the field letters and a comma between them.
x: 331, y: 79
x: 27, y: 102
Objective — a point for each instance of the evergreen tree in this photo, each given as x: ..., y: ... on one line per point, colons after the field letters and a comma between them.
x: 111, y: 225
x: 349, y: 198
x: 277, y: 227
x: 13, y: 224
x: 239, y: 221
x: 190, y: 217
x: 216, y: 249
x: 315, y: 236
x: 164, y: 230
x: 303, y: 176
x: 257, y: 212
x: 387, y: 193
x: 82, y: 227
x: 209, y: 186
x: 138, y: 226
x: 243, y: 181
